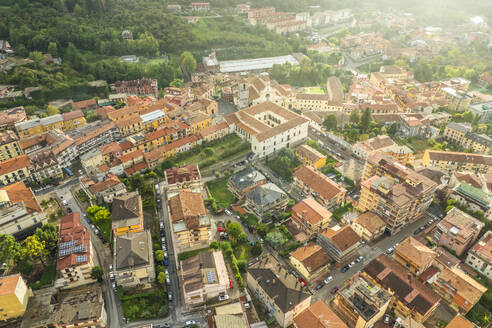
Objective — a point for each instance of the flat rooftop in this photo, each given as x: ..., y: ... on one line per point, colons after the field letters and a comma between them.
x: 255, y: 64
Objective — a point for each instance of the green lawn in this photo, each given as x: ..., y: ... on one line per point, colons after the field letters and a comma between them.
x: 105, y: 227
x: 49, y: 274
x: 149, y: 305
x: 186, y: 255
x: 222, y: 195
x: 251, y: 219
x: 315, y: 90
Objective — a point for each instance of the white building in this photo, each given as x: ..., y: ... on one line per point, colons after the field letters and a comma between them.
x: 480, y: 255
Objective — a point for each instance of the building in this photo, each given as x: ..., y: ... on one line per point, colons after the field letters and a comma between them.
x: 361, y: 302
x: 453, y: 161
x: 369, y: 226
x: 65, y: 122
x: 20, y: 213
x: 311, y: 261
x: 14, y: 295
x: 340, y: 244
x: 88, y: 104
x: 480, y: 255
x: 410, y: 296
x: 266, y: 198
x: 334, y: 88
x: 200, y: 6
x: 255, y: 64
x: 460, y: 322
x: 9, y: 145
x: 315, y: 102
x: 310, y: 156
x: 14, y: 169
x: 133, y: 259
x: 310, y: 216
x: 312, y: 182
x: 279, y: 291
x: 52, y: 143
x: 457, y: 231
x: 395, y: 192
x: 385, y: 145
x: 460, y: 290
x: 189, y: 220
x: 95, y: 135
x: 127, y: 214
x: 456, y: 132
x: 204, y: 277
x: 215, y: 132
x: 461, y: 135
x: 107, y: 189
x: 475, y: 199
x: 184, y: 177
x: 244, y: 181
x: 318, y: 315
x: 268, y: 127
x: 483, y: 110
x: 75, y: 308
x: 231, y: 315
x: 141, y: 87
x: 75, y: 258
x: 414, y: 256
x: 9, y: 117
x: 44, y: 167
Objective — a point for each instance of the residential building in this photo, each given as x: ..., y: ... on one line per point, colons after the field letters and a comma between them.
x: 471, y: 197
x: 458, y: 100
x: 95, y: 135
x: 310, y: 156
x: 184, y: 177
x: 204, y: 277
x: 385, y: 145
x: 133, y: 259
x: 395, y: 192
x: 369, y: 226
x: 457, y: 231
x: 411, y: 126
x: 312, y: 182
x: 480, y: 255
x: 231, y: 315
x: 20, y: 213
x: 453, y: 161
x: 410, y: 296
x: 460, y: 322
x: 482, y: 110
x: 75, y: 258
x: 14, y: 169
x: 215, y: 132
x: 315, y: 102
x: 414, y: 256
x: 44, y: 167
x: 266, y: 198
x: 334, y: 89
x: 127, y: 214
x: 189, y: 219
x: 9, y: 117
x: 460, y: 290
x: 318, y: 315
x: 107, y: 189
x: 456, y: 132
x: 310, y: 216
x: 14, y: 295
x: 141, y: 87
x: 65, y: 122
x: 340, y: 244
x: 9, y: 145
x: 461, y: 135
x: 258, y: 15
x: 268, y: 127
x: 244, y: 181
x: 280, y: 291
x: 311, y: 261
x: 88, y: 104
x: 361, y: 302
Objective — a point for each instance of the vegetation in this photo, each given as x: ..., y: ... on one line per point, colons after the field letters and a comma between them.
x: 101, y: 218
x: 97, y: 273
x: 481, y: 312
x: 47, y: 277
x: 220, y: 193
x: 284, y: 163
x: 186, y: 255
x: 142, y: 306
x: 339, y: 212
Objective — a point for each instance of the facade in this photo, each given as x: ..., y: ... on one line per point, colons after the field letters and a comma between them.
x: 480, y: 255
x: 244, y: 181
x: 127, y: 214
x: 456, y: 132
x: 461, y: 135
x: 471, y: 197
x: 215, y: 132
x: 95, y: 135
x: 310, y: 260
x: 318, y: 315
x: 414, y: 256
x: 65, y: 122
x: 277, y: 289
x: 9, y: 145
x: 14, y: 169
x: 315, y: 102
x: 56, y: 142
x: 310, y: 156
x: 454, y: 161
x: 204, y: 277
x: 457, y: 231
x: 368, y: 226
x: 14, y: 295
x: 340, y: 244
x: 310, y: 216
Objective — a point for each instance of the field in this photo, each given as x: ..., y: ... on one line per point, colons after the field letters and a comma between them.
x: 222, y: 195
x: 314, y: 90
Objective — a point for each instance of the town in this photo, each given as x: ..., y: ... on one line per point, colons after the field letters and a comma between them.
x: 346, y: 182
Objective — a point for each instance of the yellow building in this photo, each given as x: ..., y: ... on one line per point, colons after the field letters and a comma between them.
x: 151, y: 121
x: 73, y: 120
x: 455, y: 161
x: 14, y: 169
x: 310, y: 260
x: 129, y: 125
x: 14, y: 295
x: 9, y: 145
x: 127, y: 214
x: 65, y: 122
x: 310, y: 156
x: 198, y: 121
x: 455, y: 132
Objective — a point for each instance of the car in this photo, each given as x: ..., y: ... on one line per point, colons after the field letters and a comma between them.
x: 334, y: 290
x: 190, y: 323
x: 164, y: 248
x: 69, y: 210
x: 386, y: 319
x: 168, y: 281
x: 352, y: 263
x: 359, y: 259
x: 294, y: 273
x: 261, y: 240
x: 302, y: 280
x: 230, y: 284
x: 416, y: 232
x: 390, y: 250
x: 161, y: 226
x: 170, y: 296
x: 246, y: 305
x: 114, y: 286
x: 165, y: 325
x: 165, y: 254
x: 224, y: 297
x: 221, y: 229
x: 327, y: 280
x: 111, y: 275
x: 93, y: 227
x: 64, y: 202
x: 166, y: 261
x: 345, y: 268
x: 163, y: 239
x: 158, y: 205
x: 320, y: 285
x: 228, y: 212
x: 110, y: 267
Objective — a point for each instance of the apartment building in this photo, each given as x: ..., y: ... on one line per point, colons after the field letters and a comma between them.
x: 310, y: 216
x: 183, y: 177
x: 105, y: 190
x: 75, y: 257
x: 458, y: 100
x: 312, y: 182
x: 461, y: 135
x: 310, y: 156
x: 456, y: 132
x: 480, y: 255
x: 318, y: 315
x: 9, y: 145
x: 385, y: 145
x: 414, y: 256
x: 454, y: 161
x: 127, y: 214
x: 95, y: 135
x: 457, y: 231
x: 204, y: 277
x: 311, y: 261
x: 14, y: 295
x: 9, y: 117
x: 44, y: 167
x: 268, y: 127
x: 395, y: 192
x: 14, y: 169
x: 341, y: 244
x: 189, y: 220
x: 471, y: 197
x: 65, y: 122
x: 141, y: 87
x: 258, y: 15
x: 361, y: 302
x: 315, y: 102
x: 244, y: 181
x: 277, y: 289
x: 215, y: 132
x: 410, y: 297
x: 368, y: 226
x: 483, y: 110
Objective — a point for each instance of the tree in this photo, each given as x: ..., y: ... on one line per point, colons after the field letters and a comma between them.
x: 49, y: 235
x: 161, y: 278
x: 159, y: 255
x: 53, y: 49
x: 365, y: 120
x: 188, y: 62
x: 52, y: 110
x: 330, y: 122
x: 177, y: 83
x: 234, y: 230
x: 37, y: 57
x: 276, y: 238
x: 214, y: 245
x: 97, y: 273
x: 10, y: 249
x: 242, y: 265
x: 393, y: 129
x: 209, y: 151
x: 354, y: 116
x: 257, y: 249
x: 34, y: 248
x: 102, y: 214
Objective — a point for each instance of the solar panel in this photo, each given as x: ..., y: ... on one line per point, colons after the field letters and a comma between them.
x: 80, y: 259
x: 68, y: 244
x: 211, y: 276
x: 69, y: 247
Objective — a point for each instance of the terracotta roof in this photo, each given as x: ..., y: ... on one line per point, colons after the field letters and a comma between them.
x: 95, y: 132
x: 465, y: 286
x: 8, y: 136
x: 460, y: 322
x: 317, y: 181
x: 310, y: 153
x: 214, y: 128
x: 74, y: 244
x: 186, y: 204
x: 8, y: 284
x: 159, y: 133
x: 139, y: 167
x: 436, y: 155
x: 483, y: 247
x: 14, y: 164
x: 417, y: 252
x: 84, y: 103
x: 110, y: 181
x: 72, y: 115
x: 370, y: 221
x: 312, y: 256
x: 110, y: 148
x: 18, y: 192
x: 343, y: 238
x: 183, y: 174
x: 131, y: 156
x: 318, y: 315
x: 310, y: 210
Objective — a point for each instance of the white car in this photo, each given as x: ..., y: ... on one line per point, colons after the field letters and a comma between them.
x: 228, y: 212
x: 190, y: 323
x: 327, y: 280
x: 223, y: 297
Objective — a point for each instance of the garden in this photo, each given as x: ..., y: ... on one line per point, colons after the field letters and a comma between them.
x: 101, y: 218
x: 220, y: 193
x: 284, y: 163
x: 144, y: 306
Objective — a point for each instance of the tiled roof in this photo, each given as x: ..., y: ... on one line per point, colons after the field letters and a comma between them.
x: 310, y: 153
x: 483, y: 247
x: 310, y: 210
x: 448, y: 156
x: 460, y: 322
x: 127, y: 210
x: 318, y: 315
x: 343, y: 238
x: 72, y: 115
x: 417, y: 252
x: 186, y: 204
x: 74, y: 244
x: 84, y: 103
x: 183, y: 174
x: 14, y: 164
x: 465, y: 286
x: 133, y: 250
x: 110, y: 181
x: 8, y: 284
x: 312, y: 256
x: 317, y: 181
x: 18, y: 192
x: 370, y: 221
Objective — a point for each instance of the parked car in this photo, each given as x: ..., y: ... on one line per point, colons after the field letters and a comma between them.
x: 320, y: 285
x: 345, y: 268
x: 190, y: 323
x: 334, y: 290
x: 69, y: 210
x: 224, y: 297
x: 168, y: 281
x: 228, y: 212
x: 230, y: 283
x: 302, y: 280
x: 170, y: 296
x: 390, y: 250
x: 163, y: 239
x: 327, y: 280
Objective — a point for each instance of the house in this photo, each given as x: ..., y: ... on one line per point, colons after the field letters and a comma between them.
x: 95, y: 135
x: 456, y: 132
x: 215, y: 132
x: 88, y: 104
x: 20, y: 213
x: 340, y: 244
x: 107, y: 189
x: 244, y: 181
x: 44, y: 167
x: 310, y: 216
x: 231, y: 315
x: 318, y: 315
x: 457, y: 231
x: 471, y: 197
x: 277, y: 289
x: 204, y: 277
x: 413, y: 255
x: 454, y: 161
x: 65, y: 122
x: 127, y: 214
x: 184, y: 177
x: 14, y: 295
x: 361, y: 302
x: 369, y: 226
x: 9, y: 145
x: 480, y: 255
x: 310, y: 156
x: 310, y: 260
x: 460, y: 290
x: 385, y: 145
x: 315, y: 102
x: 265, y: 198
x: 189, y: 219
x: 14, y: 169
x: 312, y: 182
x: 410, y: 297
x: 133, y: 259
x: 460, y: 322
x: 75, y: 258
